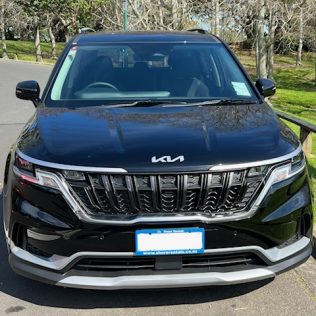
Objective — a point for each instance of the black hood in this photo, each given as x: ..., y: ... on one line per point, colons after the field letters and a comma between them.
x: 129, y: 137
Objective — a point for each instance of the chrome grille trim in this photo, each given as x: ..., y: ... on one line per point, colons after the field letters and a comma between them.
x: 257, y: 163
x: 59, y: 166
x: 209, y: 194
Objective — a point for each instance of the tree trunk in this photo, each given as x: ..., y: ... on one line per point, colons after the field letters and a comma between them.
x: 272, y: 28
x: 300, y: 39
x: 262, y: 49
x: 68, y: 37
x: 216, y: 18
x: 174, y: 14
x: 2, y: 29
x: 270, y: 60
x: 256, y: 46
x: 161, y: 16
x: 38, y: 49
x: 53, y: 41
x: 222, y: 33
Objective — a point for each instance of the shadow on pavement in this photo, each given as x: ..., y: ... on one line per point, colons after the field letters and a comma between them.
x: 48, y: 295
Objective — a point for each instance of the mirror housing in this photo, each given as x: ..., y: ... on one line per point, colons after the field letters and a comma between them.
x: 266, y: 87
x: 28, y: 90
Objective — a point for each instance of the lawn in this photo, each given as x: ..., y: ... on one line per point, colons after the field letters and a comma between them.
x: 26, y: 50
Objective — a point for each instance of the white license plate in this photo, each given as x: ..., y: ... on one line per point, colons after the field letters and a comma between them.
x: 152, y: 242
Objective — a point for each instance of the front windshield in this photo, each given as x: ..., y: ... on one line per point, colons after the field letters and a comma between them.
x: 104, y: 74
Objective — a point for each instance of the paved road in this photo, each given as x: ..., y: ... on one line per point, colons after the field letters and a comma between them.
x: 292, y: 293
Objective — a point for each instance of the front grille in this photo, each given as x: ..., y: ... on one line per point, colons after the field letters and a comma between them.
x: 209, y: 194
x: 191, y: 263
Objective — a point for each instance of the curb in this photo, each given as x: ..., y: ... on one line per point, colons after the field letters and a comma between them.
x: 27, y: 62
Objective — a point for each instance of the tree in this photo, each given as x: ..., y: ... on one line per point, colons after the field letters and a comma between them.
x: 3, y: 5
x: 145, y: 14
x: 36, y: 10
x: 306, y: 11
x: 264, y: 25
x: 261, y: 50
x: 57, y: 11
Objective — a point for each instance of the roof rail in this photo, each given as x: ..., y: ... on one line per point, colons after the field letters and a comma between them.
x: 197, y: 30
x: 86, y: 30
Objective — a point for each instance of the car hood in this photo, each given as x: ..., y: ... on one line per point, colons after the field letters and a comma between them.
x: 129, y: 137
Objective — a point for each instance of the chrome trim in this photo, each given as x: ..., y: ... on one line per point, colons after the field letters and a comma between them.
x: 44, y: 237
x: 257, y: 163
x: 63, y: 188
x: 166, y: 280
x: 68, y: 167
x: 17, y: 171
x: 56, y: 262
x: 121, y: 170
x: 7, y: 237
x: 82, y: 215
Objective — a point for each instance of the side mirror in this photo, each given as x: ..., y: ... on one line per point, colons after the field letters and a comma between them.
x: 266, y: 87
x: 28, y: 90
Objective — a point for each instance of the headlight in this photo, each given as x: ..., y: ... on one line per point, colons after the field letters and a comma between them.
x: 23, y: 164
x: 257, y: 171
x: 73, y: 175
x: 26, y: 171
x: 284, y: 172
x: 40, y: 177
x: 281, y: 173
x: 298, y: 162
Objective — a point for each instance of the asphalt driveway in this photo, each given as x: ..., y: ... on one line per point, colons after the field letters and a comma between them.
x: 292, y: 293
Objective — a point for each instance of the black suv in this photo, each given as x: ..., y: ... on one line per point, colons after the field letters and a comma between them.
x: 153, y: 161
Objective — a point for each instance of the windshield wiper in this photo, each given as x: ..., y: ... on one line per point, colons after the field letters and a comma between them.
x: 144, y: 103
x: 170, y: 103
x: 215, y: 102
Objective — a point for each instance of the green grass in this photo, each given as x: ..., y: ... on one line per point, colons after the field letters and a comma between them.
x: 26, y: 51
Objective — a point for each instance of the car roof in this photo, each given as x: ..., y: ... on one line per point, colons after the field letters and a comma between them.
x: 148, y: 36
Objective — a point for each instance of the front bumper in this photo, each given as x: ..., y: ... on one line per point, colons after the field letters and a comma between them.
x: 52, y: 270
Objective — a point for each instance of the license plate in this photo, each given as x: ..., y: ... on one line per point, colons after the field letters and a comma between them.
x: 153, y: 242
